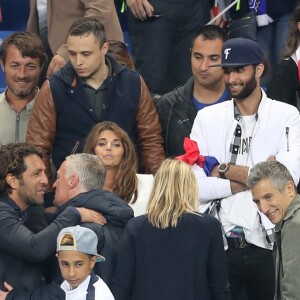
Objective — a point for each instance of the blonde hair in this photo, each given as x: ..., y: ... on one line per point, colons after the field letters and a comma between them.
x: 67, y: 240
x: 175, y: 192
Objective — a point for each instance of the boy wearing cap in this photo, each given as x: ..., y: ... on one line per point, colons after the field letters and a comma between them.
x: 77, y: 256
x: 241, y: 133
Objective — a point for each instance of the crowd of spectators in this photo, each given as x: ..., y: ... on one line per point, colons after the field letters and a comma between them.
x: 177, y: 162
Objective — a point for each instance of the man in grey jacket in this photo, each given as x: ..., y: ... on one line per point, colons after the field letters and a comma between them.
x: 22, y: 184
x: 275, y: 194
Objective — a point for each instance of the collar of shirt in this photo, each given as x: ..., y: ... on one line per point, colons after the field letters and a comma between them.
x: 103, y: 85
x: 237, y: 114
x: 21, y: 214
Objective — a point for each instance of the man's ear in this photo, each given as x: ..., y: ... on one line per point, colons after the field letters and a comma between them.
x: 290, y: 188
x: 260, y: 70
x: 12, y: 181
x: 73, y: 181
x: 104, y: 48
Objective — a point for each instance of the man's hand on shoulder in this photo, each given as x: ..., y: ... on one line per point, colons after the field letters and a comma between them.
x: 89, y: 215
x: 56, y: 63
x: 3, y: 294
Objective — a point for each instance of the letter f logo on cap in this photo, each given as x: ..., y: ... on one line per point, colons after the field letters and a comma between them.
x: 226, y: 52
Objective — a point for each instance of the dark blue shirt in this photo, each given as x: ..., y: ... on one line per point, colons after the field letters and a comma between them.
x: 21, y: 214
x: 200, y: 105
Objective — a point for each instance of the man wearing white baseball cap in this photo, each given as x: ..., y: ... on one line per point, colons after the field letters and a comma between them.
x: 241, y: 133
x: 77, y: 256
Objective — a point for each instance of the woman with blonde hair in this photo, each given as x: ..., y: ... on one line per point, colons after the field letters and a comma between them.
x: 173, y: 252
x: 112, y: 144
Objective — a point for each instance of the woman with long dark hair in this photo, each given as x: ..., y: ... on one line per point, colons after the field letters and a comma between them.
x: 112, y: 144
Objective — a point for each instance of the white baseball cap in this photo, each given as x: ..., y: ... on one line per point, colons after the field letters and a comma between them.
x: 85, y: 241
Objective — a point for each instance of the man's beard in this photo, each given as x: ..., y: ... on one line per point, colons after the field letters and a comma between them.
x: 248, y: 89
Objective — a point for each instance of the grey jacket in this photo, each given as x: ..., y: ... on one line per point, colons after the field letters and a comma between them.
x: 288, y: 261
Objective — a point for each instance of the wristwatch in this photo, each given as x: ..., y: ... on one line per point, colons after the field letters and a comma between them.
x: 222, y: 168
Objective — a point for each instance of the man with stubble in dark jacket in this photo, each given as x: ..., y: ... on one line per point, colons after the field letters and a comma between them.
x: 22, y: 184
x: 178, y: 109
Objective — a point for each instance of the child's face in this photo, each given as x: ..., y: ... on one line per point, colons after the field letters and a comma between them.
x: 75, y: 266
